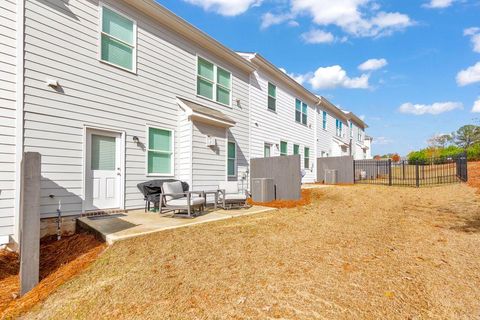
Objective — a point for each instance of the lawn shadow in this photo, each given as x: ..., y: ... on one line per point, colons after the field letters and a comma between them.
x: 470, y: 225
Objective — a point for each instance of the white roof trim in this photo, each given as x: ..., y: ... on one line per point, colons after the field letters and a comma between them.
x: 192, y: 115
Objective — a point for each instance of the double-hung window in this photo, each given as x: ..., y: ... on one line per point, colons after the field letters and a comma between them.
x: 283, y: 148
x: 360, y: 135
x: 324, y: 124
x: 296, y: 149
x: 351, y: 129
x: 301, y: 109
x: 160, y: 152
x: 232, y: 159
x: 213, y: 82
x: 339, y: 127
x: 272, y: 97
x: 267, y: 152
x: 118, y: 40
x: 306, y: 158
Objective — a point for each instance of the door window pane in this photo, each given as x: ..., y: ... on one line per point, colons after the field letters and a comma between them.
x: 103, y: 153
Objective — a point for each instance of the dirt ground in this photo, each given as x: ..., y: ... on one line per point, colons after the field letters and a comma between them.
x: 59, y: 262
x: 359, y: 252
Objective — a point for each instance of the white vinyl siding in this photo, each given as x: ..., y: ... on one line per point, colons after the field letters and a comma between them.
x: 7, y: 117
x: 101, y: 96
x: 213, y: 82
x: 118, y: 39
x: 268, y: 128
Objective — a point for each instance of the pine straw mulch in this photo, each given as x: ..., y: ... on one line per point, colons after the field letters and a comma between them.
x: 305, y: 199
x: 474, y: 175
x: 362, y: 252
x: 59, y: 261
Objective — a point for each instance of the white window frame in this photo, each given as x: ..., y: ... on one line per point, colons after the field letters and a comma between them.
x: 296, y: 145
x: 265, y: 145
x: 268, y: 95
x: 351, y: 129
x: 234, y: 160
x: 339, y: 128
x: 147, y: 149
x: 215, y: 83
x: 100, y: 33
x: 305, y: 158
x: 360, y: 135
x: 301, y: 112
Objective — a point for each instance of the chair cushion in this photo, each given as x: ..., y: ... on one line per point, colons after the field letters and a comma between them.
x: 229, y: 186
x: 173, y: 187
x: 231, y: 196
x: 182, y: 202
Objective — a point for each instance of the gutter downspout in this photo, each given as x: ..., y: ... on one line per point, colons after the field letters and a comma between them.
x: 19, y: 116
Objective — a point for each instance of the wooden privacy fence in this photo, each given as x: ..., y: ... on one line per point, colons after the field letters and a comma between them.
x: 435, y: 171
x: 285, y: 172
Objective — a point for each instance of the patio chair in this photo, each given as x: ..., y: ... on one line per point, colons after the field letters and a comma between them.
x: 174, y: 198
x: 230, y: 196
x: 152, y: 189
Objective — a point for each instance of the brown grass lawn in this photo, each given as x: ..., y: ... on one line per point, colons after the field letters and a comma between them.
x: 354, y: 252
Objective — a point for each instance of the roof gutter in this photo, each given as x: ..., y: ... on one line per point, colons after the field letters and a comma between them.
x: 272, y: 69
x: 190, y: 32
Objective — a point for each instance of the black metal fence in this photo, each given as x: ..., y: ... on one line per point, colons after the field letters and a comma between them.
x: 436, y: 171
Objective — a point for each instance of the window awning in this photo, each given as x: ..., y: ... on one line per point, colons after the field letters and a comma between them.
x: 198, y: 112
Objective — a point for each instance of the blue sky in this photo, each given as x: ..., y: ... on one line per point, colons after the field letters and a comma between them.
x: 419, y: 76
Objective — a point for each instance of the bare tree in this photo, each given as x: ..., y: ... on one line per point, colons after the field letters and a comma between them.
x: 440, y: 141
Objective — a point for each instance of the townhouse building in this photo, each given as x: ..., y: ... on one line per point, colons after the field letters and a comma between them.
x: 113, y: 93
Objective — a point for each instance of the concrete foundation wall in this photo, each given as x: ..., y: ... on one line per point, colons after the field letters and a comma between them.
x: 285, y: 172
x: 344, y: 166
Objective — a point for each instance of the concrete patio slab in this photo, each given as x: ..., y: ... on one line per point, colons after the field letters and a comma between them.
x: 122, y: 226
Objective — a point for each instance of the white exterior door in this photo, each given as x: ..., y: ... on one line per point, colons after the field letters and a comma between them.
x: 103, y: 170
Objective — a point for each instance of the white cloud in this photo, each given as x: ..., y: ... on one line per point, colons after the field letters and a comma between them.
x: 373, y: 64
x: 316, y: 36
x: 469, y: 75
x: 474, y: 34
x: 434, y: 109
x: 476, y: 106
x: 438, y: 4
x: 471, y: 31
x: 300, y: 78
x: 269, y: 19
x: 226, y: 7
x: 382, y: 141
x: 334, y: 77
x: 356, y: 17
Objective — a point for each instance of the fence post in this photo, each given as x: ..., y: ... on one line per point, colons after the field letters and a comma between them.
x: 417, y: 175
x: 30, y: 222
x: 390, y: 172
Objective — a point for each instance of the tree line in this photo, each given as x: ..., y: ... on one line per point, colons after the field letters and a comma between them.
x: 465, y: 140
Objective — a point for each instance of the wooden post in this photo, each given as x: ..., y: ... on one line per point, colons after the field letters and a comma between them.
x: 30, y: 222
